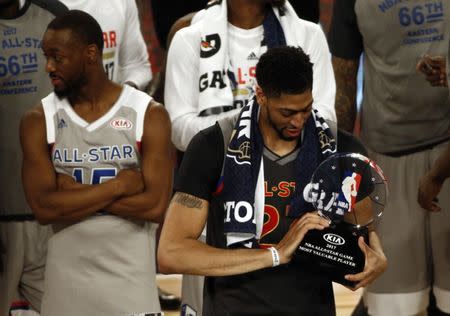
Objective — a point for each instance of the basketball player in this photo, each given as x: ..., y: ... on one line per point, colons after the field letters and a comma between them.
x: 215, y: 79
x: 257, y: 281
x: 96, y: 166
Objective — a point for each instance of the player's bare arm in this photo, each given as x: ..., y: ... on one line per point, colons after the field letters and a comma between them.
x: 156, y: 168
x: 49, y: 204
x: 345, y: 71
x: 180, y: 252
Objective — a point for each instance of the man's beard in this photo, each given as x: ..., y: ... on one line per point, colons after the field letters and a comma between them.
x: 62, y: 93
x: 70, y: 88
x: 280, y: 130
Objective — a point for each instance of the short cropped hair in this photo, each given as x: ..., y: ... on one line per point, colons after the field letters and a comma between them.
x: 286, y: 70
x: 82, y: 24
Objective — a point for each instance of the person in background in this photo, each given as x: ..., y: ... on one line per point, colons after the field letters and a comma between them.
x: 404, y: 125
x: 23, y: 82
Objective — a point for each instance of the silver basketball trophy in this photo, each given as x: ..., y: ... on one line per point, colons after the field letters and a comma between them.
x: 350, y: 191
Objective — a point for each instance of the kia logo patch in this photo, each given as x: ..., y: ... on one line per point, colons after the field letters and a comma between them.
x: 121, y: 124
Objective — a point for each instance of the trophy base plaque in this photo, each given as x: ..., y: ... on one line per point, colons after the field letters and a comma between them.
x: 335, y: 249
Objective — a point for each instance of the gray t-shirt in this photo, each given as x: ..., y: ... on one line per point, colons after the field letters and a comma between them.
x: 401, y: 112
x: 23, y: 83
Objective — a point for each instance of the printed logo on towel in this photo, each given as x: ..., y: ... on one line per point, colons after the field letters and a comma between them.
x: 242, y: 212
x: 241, y: 153
x: 210, y: 45
x: 121, y: 124
x: 325, y: 141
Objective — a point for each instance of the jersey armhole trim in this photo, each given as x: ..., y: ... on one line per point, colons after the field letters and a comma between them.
x: 141, y: 108
x: 49, y: 113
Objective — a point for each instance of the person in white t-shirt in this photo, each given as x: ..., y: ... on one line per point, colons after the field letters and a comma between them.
x: 245, y: 36
x: 241, y: 41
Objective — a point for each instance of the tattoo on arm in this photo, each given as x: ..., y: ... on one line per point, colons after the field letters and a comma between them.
x: 188, y: 200
x: 346, y: 71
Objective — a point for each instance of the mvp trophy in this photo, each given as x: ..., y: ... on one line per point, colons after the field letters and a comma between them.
x: 350, y: 191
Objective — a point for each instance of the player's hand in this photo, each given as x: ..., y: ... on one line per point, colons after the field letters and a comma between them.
x: 429, y: 188
x: 287, y: 246
x: 434, y: 69
x: 375, y: 265
x: 65, y: 182
x: 130, y: 181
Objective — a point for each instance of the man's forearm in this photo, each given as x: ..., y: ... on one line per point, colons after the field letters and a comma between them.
x: 140, y: 206
x: 74, y: 204
x: 346, y: 71
x: 189, y: 258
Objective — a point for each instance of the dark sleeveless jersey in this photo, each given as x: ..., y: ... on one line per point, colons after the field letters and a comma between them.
x: 289, y: 289
x: 279, y: 186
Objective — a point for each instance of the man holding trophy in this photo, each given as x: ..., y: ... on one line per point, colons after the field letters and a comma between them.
x: 250, y: 179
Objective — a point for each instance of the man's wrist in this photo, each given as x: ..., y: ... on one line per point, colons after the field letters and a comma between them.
x: 117, y: 187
